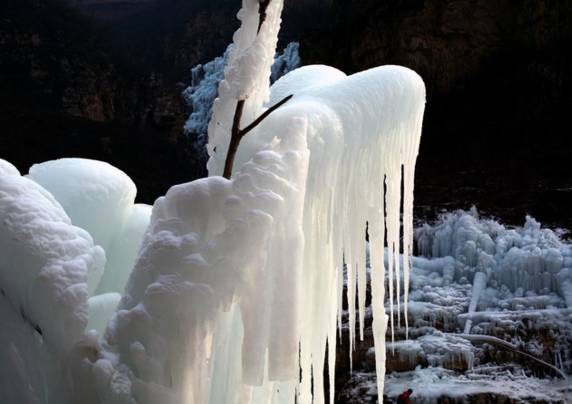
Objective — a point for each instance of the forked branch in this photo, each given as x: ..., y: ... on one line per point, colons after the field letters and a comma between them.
x: 237, y: 134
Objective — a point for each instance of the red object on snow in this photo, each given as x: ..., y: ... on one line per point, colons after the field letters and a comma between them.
x: 404, y: 397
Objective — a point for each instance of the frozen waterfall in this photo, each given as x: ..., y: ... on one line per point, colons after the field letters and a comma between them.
x: 233, y: 293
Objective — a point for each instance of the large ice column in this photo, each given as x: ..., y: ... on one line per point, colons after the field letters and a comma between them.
x: 356, y: 144
x: 215, y: 295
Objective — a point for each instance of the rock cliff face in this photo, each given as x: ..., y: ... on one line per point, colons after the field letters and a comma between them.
x: 498, y: 81
x: 65, y: 91
x: 497, y: 75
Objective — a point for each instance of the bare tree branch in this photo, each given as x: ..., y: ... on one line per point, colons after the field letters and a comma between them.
x: 237, y: 134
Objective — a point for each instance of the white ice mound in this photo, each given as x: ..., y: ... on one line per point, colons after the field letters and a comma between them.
x: 100, y: 199
x: 46, y: 261
x: 7, y: 168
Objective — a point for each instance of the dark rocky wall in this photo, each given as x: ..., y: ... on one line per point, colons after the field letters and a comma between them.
x: 66, y: 90
x: 498, y: 78
x: 106, y: 85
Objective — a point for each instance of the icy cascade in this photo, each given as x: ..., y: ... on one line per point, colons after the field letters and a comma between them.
x: 237, y: 284
x: 526, y: 261
x: 239, y: 281
x: 202, y: 92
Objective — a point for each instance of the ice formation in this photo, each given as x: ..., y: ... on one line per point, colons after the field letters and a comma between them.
x: 478, y: 324
x: 237, y: 286
x: 58, y: 225
x: 205, y: 79
x: 100, y: 199
x: 7, y: 168
x: 47, y: 263
x: 256, y: 261
x: 526, y: 262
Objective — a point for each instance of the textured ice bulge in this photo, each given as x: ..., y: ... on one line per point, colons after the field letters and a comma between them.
x: 46, y: 262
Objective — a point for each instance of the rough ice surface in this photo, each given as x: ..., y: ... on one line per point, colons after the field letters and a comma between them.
x: 49, y: 268
x: 202, y: 92
x: 46, y: 262
x: 523, y: 263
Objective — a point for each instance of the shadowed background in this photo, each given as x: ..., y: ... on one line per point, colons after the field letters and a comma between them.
x: 103, y: 79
